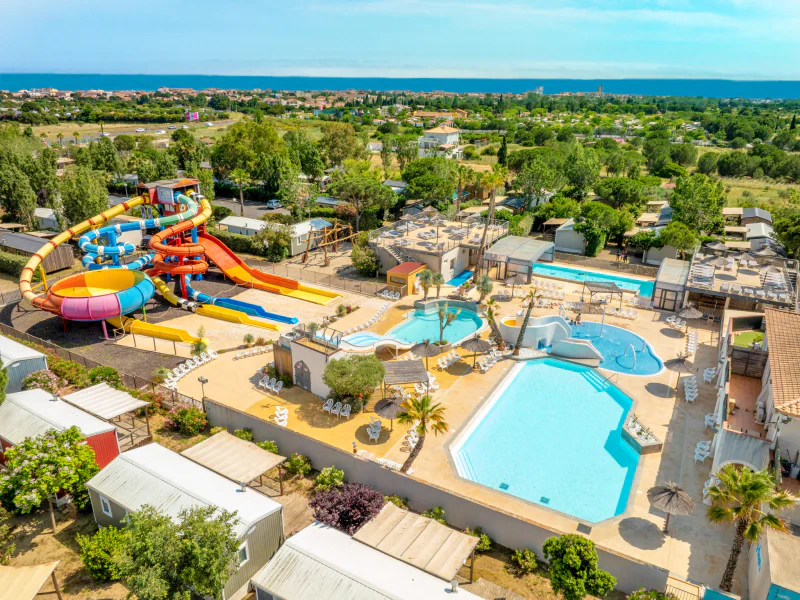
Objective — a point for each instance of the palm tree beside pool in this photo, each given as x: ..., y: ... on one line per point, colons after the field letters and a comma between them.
x: 438, y: 281
x: 429, y: 418
x: 531, y: 298
x: 484, y: 286
x: 445, y: 318
x: 738, y: 499
x: 425, y: 280
x: 492, y: 309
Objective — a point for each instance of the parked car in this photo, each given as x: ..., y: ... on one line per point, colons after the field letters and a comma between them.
x: 184, y: 127
x: 273, y: 204
x: 209, y: 124
x: 172, y: 127
x: 160, y: 132
x: 140, y: 130
x: 105, y: 134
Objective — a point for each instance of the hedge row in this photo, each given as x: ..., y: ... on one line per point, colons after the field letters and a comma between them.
x: 239, y: 243
x: 12, y: 264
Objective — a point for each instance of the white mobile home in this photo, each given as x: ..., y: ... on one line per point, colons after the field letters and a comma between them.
x: 19, y: 361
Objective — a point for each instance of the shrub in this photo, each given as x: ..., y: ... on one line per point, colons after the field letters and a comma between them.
x: 12, y: 264
x: 269, y: 446
x: 108, y: 375
x: 643, y: 594
x: 348, y: 506
x: 188, y: 420
x: 160, y: 374
x: 7, y: 544
x: 525, y: 560
x: 398, y: 501
x: 573, y: 567
x: 354, y: 378
x: 44, y: 380
x: 328, y: 478
x: 365, y: 260
x: 248, y: 339
x: 97, y: 553
x: 272, y: 371
x: 244, y: 434
x: 436, y: 513
x: 260, y: 341
x: 297, y: 464
x: 341, y: 310
x: 484, y: 541
x: 216, y: 430
x: 239, y: 243
x: 75, y: 374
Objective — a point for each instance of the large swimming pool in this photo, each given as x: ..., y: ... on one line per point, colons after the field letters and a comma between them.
x: 420, y: 326
x: 618, y: 347
x: 641, y: 286
x: 552, y: 434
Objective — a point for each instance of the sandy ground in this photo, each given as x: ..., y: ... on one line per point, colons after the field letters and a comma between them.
x: 693, y: 549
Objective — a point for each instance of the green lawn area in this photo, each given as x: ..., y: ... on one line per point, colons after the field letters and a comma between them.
x: 744, y: 339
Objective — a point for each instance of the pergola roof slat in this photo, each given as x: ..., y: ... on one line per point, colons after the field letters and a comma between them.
x: 236, y: 459
x: 399, y: 372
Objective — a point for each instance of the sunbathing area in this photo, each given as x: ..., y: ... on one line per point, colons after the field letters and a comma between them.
x: 436, y: 234
x: 672, y: 406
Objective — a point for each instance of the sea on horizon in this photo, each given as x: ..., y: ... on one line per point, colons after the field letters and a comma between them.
x: 709, y: 88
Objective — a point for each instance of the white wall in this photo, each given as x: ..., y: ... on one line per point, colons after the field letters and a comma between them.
x: 316, y: 362
x: 569, y: 240
x: 654, y: 256
x: 758, y: 579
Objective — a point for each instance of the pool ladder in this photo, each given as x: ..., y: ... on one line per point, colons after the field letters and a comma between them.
x: 633, y: 351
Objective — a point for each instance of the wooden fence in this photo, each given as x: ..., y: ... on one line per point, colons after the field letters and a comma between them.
x: 608, y: 265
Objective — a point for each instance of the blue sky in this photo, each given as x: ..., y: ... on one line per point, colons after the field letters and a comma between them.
x: 736, y: 39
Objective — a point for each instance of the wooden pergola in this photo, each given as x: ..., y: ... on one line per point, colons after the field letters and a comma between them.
x: 25, y: 583
x: 236, y: 459
x: 404, y: 372
x: 602, y: 287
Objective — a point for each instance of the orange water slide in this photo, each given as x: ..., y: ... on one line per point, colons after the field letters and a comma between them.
x: 240, y: 273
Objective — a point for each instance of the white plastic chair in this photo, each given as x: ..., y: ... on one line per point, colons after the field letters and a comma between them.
x: 328, y: 406
x: 374, y: 433
x: 336, y: 409
x: 278, y: 387
x: 345, y: 412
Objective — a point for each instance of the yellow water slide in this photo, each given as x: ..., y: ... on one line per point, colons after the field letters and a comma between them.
x: 129, y: 325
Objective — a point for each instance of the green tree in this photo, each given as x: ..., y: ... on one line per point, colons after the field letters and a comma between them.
x: 787, y: 231
x: 83, y: 194
x: 707, y: 165
x: 42, y: 466
x: 582, y: 170
x: 502, y: 153
x: 242, y: 145
x: 698, y: 202
x: 3, y: 384
x: 683, y: 154
x: 537, y: 179
x: 181, y: 559
x: 621, y: 191
x: 125, y: 143
x: 429, y: 417
x: 748, y: 500
x: 679, y: 236
x: 386, y: 152
x: 341, y: 142
x: 355, y: 376
x: 484, y: 287
x: 363, y: 192
x: 438, y: 281
x: 406, y: 151
x: 7, y: 541
x: 531, y: 298
x: 446, y: 317
x: 492, y: 311
x: 425, y: 280
x: 305, y: 152
x: 490, y: 182
x: 16, y: 195
x: 572, y: 560
x: 241, y: 178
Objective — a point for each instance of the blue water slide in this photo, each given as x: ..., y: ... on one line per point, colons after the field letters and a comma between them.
x: 254, y: 310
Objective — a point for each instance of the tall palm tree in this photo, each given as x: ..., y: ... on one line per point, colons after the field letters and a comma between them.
x: 464, y: 176
x: 241, y: 179
x: 490, y: 182
x: 438, y: 281
x: 484, y: 286
x: 531, y: 298
x: 60, y: 137
x: 492, y: 309
x: 429, y: 418
x: 76, y: 135
x: 425, y: 280
x: 738, y: 499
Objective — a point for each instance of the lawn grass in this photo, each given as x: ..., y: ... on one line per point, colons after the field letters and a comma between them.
x: 744, y: 339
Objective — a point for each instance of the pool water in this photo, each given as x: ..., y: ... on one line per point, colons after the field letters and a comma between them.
x: 641, y: 286
x: 615, y: 344
x: 362, y: 338
x: 421, y: 326
x: 553, y: 436
x: 462, y: 277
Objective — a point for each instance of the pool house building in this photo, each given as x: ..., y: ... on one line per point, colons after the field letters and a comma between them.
x: 446, y: 247
x: 717, y: 280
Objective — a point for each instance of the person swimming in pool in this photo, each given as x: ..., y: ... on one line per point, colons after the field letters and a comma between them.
x: 578, y: 320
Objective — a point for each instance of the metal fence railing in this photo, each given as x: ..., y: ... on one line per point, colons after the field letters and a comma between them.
x: 610, y: 265
x: 169, y: 397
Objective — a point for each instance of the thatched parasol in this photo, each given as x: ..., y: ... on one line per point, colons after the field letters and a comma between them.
x: 389, y: 408
x: 716, y: 246
x: 765, y: 251
x: 407, y: 218
x: 768, y: 268
x: 515, y: 280
x: 690, y: 312
x: 682, y: 366
x: 476, y: 345
x: 671, y: 499
x: 429, y: 210
x: 463, y: 214
x: 718, y: 263
x: 426, y: 350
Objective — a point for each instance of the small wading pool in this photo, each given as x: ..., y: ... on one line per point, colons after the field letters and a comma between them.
x: 618, y: 347
x: 462, y: 277
x: 552, y: 435
x: 420, y: 326
x: 642, y: 287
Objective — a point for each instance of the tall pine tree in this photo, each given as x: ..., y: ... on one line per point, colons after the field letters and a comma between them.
x: 794, y: 122
x: 502, y: 153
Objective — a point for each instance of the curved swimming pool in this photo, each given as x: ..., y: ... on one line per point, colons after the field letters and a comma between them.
x: 618, y: 347
x: 421, y: 325
x: 642, y: 287
x: 552, y: 434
